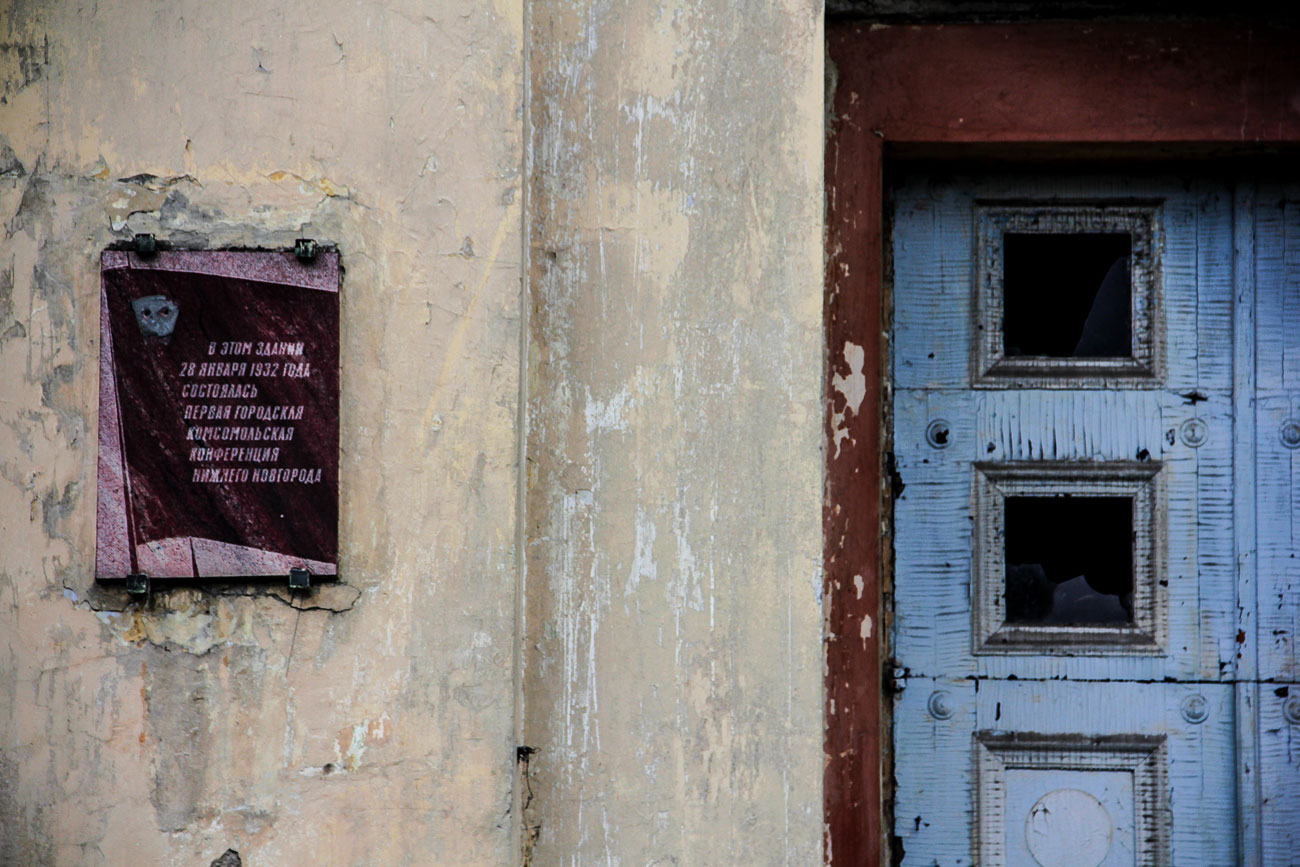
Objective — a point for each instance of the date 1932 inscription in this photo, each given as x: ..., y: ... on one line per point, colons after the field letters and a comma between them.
x: 218, y: 415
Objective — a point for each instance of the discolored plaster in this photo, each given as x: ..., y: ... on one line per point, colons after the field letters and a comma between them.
x: 204, y: 719
x: 673, y: 659
x: 647, y: 683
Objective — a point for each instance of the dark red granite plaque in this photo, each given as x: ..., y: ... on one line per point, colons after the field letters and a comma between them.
x: 218, y: 415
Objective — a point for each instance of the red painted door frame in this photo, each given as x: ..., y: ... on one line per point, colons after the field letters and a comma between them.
x: 1095, y: 90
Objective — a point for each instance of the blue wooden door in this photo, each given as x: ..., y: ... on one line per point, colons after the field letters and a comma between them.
x: 1096, y: 414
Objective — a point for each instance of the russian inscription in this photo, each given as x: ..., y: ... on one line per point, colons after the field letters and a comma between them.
x: 218, y: 415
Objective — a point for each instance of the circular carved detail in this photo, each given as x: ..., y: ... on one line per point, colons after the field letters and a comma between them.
x: 1069, y: 828
x: 940, y: 704
x: 1195, y: 709
x: 1194, y: 432
x: 938, y: 433
x: 1291, y: 710
x: 1289, y: 433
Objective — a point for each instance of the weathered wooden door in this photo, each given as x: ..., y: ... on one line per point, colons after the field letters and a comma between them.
x: 1096, y: 411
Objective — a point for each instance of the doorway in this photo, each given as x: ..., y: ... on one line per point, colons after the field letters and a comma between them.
x: 1081, y: 537
x: 1059, y: 94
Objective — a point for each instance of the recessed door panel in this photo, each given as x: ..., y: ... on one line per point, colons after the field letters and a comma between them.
x: 1157, y: 760
x: 1095, y: 420
x: 938, y: 584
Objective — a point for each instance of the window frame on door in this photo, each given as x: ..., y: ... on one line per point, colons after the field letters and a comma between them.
x: 1057, y: 92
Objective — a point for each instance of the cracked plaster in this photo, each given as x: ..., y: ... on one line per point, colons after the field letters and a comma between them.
x: 671, y: 667
x: 367, y: 721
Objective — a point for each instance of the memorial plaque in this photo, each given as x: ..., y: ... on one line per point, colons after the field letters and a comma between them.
x: 218, y: 415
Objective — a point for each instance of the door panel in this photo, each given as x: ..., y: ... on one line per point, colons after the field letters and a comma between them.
x: 1142, y: 703
x: 1276, y: 217
x: 934, y: 238
x: 934, y: 591
x: 1277, y: 430
x: 944, y: 817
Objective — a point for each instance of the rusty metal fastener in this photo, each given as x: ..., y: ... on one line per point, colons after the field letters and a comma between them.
x: 938, y: 433
x: 305, y: 249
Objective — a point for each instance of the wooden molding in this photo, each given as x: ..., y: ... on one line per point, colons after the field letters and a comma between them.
x: 1055, y: 90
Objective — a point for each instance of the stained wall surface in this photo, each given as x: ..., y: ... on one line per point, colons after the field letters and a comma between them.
x: 367, y: 723
x: 656, y: 641
x: 674, y: 656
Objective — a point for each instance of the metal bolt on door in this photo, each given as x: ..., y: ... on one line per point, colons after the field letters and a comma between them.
x: 1097, y: 591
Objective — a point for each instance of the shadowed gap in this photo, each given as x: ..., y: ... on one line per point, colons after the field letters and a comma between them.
x: 1069, y: 559
x: 1067, y: 295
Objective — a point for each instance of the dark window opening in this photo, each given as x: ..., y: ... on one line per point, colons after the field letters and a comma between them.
x: 1069, y: 559
x: 1067, y: 295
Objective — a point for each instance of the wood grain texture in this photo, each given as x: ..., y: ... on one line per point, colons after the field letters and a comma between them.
x: 854, y: 376
x: 1246, y: 658
x: 1073, y: 82
x: 1205, y: 534
x: 1275, y: 272
x: 1279, y: 752
x: 935, y: 812
x: 1277, y: 482
x: 1209, y: 88
x: 934, y: 515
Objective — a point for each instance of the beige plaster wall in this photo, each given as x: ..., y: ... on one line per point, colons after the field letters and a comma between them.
x: 668, y: 674
x: 371, y: 723
x: 674, y: 656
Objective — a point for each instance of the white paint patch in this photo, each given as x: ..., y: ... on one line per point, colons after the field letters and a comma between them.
x: 859, y: 585
x: 865, y: 629
x: 609, y: 414
x: 1069, y: 828
x: 853, y: 388
x: 351, y: 760
x: 686, y: 590
x: 643, y: 555
x: 838, y: 431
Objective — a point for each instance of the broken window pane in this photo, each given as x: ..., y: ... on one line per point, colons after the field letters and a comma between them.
x: 1069, y: 559
x: 1067, y: 295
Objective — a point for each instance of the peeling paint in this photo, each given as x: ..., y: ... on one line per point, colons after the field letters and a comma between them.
x: 669, y: 677
x: 225, y: 719
x: 608, y: 414
x: 674, y: 421
x: 852, y: 388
